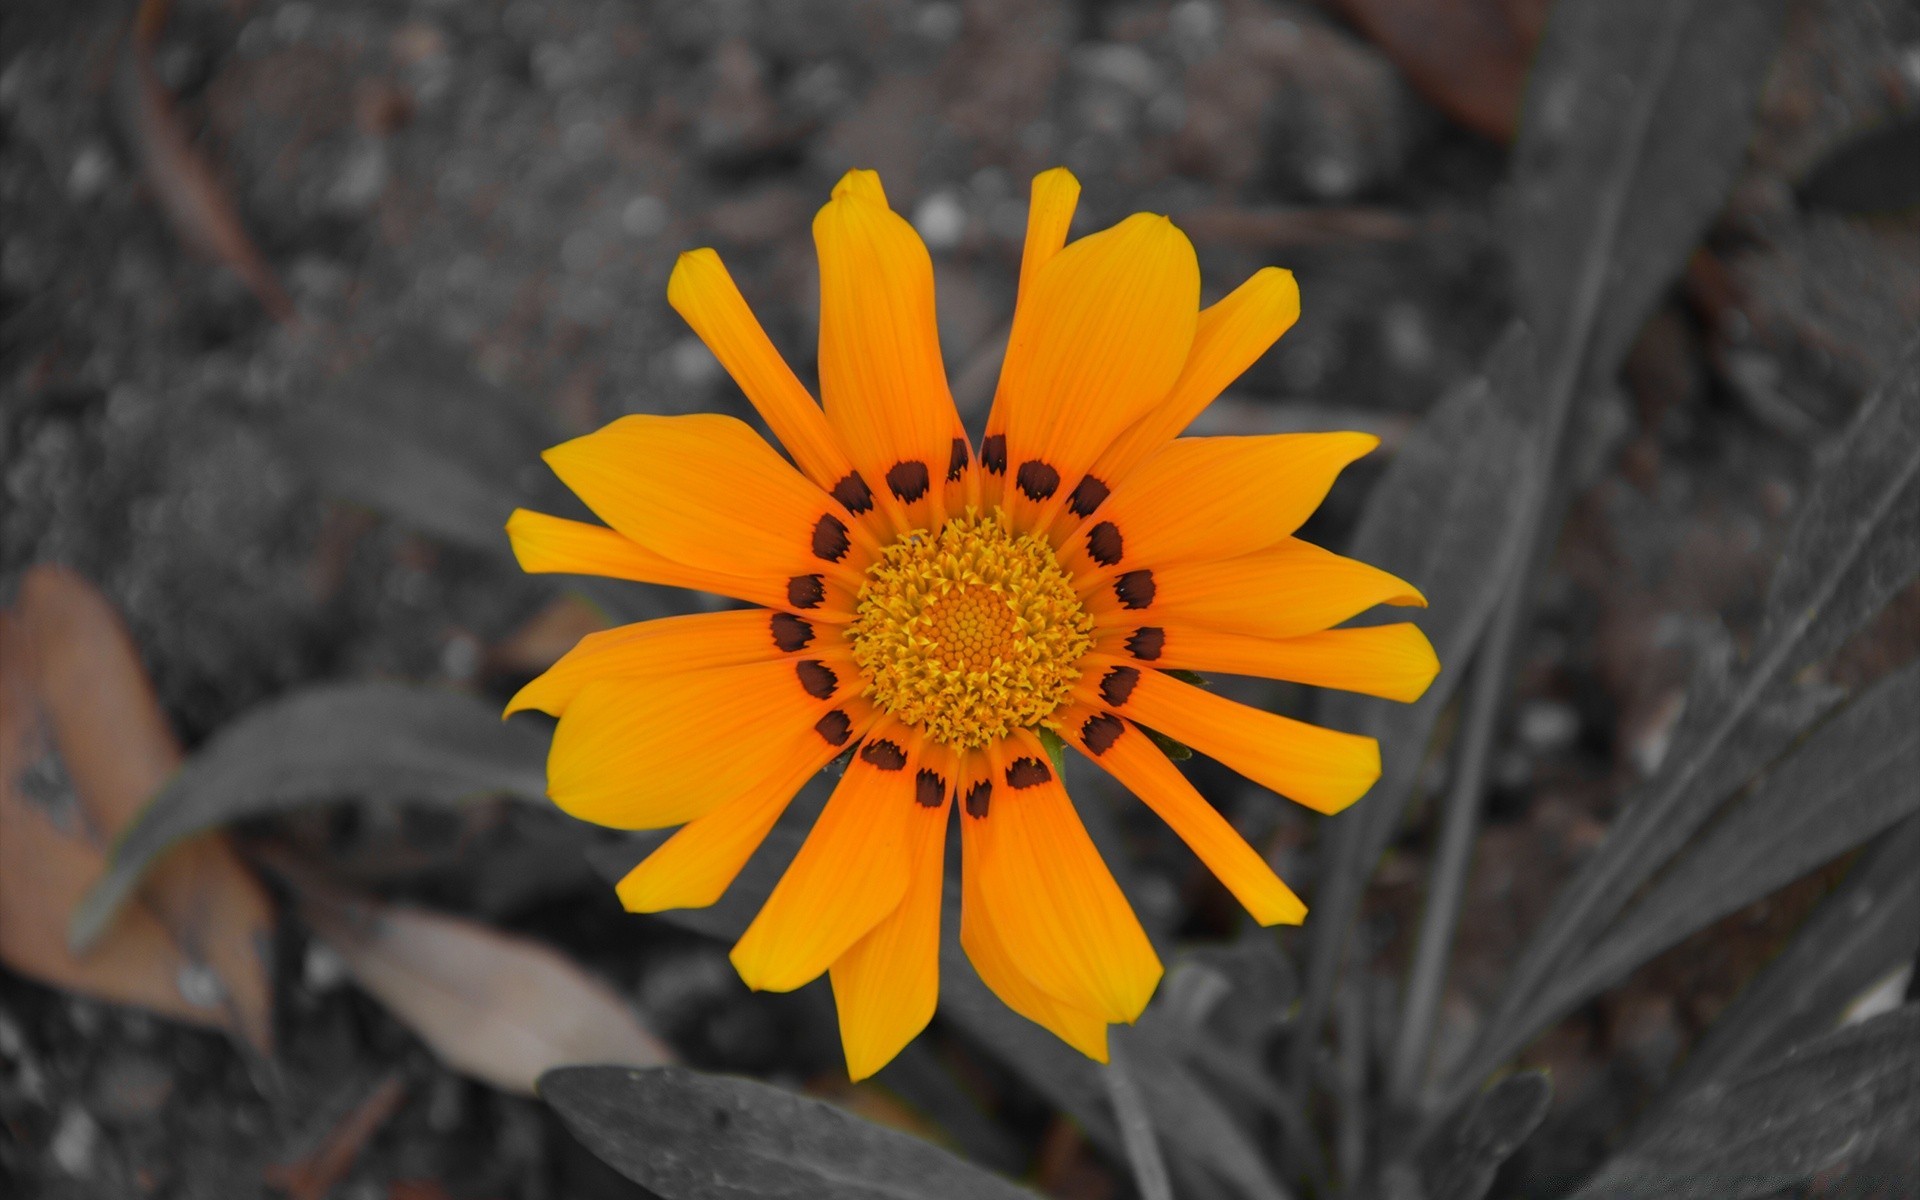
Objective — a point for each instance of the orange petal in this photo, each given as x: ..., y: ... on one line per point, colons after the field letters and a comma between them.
x: 1324, y: 769
x: 1103, y: 334
x: 1059, y: 914
x: 686, y: 643
x: 1283, y: 591
x: 695, y: 866
x: 1129, y: 756
x: 655, y: 751
x: 707, y: 491
x: 851, y: 872
x: 986, y: 949
x: 880, y: 368
x: 1230, y: 337
x: 555, y: 545
x: 1213, y: 497
x: 1396, y: 662
x: 704, y: 294
x: 1054, y: 196
x: 887, y: 985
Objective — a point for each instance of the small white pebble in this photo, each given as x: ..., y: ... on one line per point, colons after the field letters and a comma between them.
x: 75, y: 1141
x: 644, y: 216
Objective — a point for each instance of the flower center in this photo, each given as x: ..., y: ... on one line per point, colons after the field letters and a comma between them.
x: 969, y: 634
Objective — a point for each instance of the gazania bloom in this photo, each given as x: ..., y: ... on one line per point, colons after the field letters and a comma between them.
x: 931, y: 611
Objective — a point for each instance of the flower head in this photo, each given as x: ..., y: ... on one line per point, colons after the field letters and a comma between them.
x: 933, y: 610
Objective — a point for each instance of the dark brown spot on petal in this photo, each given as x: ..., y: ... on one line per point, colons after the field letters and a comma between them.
x: 1027, y: 772
x: 1135, y: 589
x: 908, y: 480
x: 1037, y: 479
x: 1146, y: 642
x: 884, y: 754
x: 806, y: 591
x: 1100, y: 732
x: 820, y: 681
x: 836, y: 727
x: 854, y: 494
x: 977, y: 797
x: 790, y: 633
x: 1104, y: 544
x: 1088, y: 495
x: 1118, y: 684
x: 993, y: 452
x: 830, y: 538
x: 929, y: 789
x: 957, y: 460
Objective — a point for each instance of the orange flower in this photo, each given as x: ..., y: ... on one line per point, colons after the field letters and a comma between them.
x: 933, y: 610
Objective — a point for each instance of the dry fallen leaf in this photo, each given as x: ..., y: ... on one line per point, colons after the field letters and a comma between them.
x: 186, y: 187
x: 549, y: 633
x: 500, y: 1008
x: 85, y: 744
x: 1469, y: 57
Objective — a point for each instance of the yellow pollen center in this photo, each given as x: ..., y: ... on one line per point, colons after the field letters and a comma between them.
x: 969, y: 634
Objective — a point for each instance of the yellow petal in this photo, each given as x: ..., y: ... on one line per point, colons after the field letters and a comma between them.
x: 685, y: 643
x: 555, y: 545
x: 1055, y: 194
x: 1213, y: 497
x: 1060, y: 915
x: 656, y: 751
x: 887, y: 985
x: 1230, y: 337
x: 1283, y: 591
x: 880, y: 368
x: 1103, y: 334
x: 1324, y: 769
x: 707, y: 491
x: 704, y: 294
x: 695, y: 866
x: 1396, y: 662
x: 986, y: 949
x: 850, y: 873
x: 1129, y: 756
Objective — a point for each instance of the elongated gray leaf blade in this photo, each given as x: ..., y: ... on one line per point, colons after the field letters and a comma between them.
x: 1607, y: 206
x: 1451, y: 493
x: 1855, y: 542
x: 1856, y: 776
x: 1460, y: 1160
x: 689, y: 1136
x: 1865, y: 930
x: 355, y: 740
x: 1824, y: 1107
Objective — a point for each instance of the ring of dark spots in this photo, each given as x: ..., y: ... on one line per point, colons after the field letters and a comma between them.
x: 1024, y: 773
x: 835, y: 727
x: 1037, y: 479
x: 806, y: 591
x: 929, y: 789
x: 1135, y: 589
x: 1088, y: 495
x: 884, y: 754
x: 1146, y: 642
x: 977, y: 797
x: 993, y: 452
x: 853, y: 494
x: 790, y: 633
x: 820, y: 681
x: 1100, y: 732
x: 1118, y: 684
x: 1104, y: 543
x: 908, y: 480
x: 957, y: 460
x: 830, y: 538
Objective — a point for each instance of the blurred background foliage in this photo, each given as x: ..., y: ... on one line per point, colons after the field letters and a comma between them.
x: 292, y: 294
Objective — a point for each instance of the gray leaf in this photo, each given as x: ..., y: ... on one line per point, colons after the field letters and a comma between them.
x: 359, y: 740
x: 1460, y: 1160
x: 1824, y: 1106
x: 690, y: 1136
